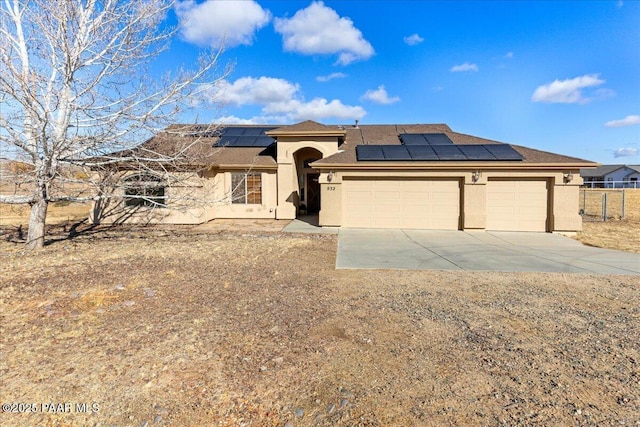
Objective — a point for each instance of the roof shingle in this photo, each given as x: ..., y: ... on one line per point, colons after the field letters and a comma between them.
x: 201, y: 139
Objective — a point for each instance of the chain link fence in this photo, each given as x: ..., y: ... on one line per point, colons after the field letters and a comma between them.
x: 598, y: 204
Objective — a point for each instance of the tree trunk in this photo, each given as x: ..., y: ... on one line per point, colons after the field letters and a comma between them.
x: 35, y: 237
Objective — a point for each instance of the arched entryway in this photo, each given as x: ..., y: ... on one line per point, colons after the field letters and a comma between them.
x: 307, y: 181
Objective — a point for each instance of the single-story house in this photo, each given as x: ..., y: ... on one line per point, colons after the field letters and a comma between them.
x: 420, y: 176
x: 612, y: 176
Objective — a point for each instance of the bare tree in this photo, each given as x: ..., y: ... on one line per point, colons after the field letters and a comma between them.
x: 75, y: 87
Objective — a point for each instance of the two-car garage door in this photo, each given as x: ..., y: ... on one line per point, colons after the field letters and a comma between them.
x: 409, y: 203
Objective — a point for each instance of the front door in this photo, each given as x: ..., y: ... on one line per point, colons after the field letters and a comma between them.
x: 313, y: 193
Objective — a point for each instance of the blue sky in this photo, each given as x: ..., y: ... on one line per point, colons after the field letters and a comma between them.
x: 556, y: 76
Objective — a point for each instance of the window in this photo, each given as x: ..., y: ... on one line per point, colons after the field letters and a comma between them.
x: 144, y: 190
x: 246, y: 188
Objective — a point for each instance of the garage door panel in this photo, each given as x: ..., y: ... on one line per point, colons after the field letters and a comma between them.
x: 427, y: 204
x: 517, y: 205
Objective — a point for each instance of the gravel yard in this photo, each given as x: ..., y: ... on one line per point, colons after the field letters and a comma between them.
x: 193, y: 327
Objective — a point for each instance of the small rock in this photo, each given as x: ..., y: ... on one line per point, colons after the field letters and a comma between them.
x: 346, y: 393
x: 120, y: 288
x: 100, y: 310
x: 148, y: 292
x: 288, y: 425
x: 161, y: 411
x: 578, y: 411
x: 343, y: 403
x: 330, y: 408
x: 278, y: 360
x: 144, y: 424
x: 299, y: 412
x: 157, y: 419
x: 263, y: 368
x: 129, y: 303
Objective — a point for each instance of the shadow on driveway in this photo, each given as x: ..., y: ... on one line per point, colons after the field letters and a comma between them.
x: 477, y: 251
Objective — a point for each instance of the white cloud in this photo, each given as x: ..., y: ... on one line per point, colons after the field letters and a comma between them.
x: 379, y: 96
x: 263, y: 90
x: 316, y: 109
x: 464, y: 67
x: 413, y: 39
x: 238, y: 121
x: 568, y: 91
x: 331, y: 77
x: 509, y: 55
x: 318, y: 29
x: 280, y: 101
x: 217, y: 23
x: 627, y: 121
x: 625, y: 152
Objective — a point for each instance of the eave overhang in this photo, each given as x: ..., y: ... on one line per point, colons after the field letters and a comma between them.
x: 413, y: 166
x: 243, y: 167
x: 337, y: 133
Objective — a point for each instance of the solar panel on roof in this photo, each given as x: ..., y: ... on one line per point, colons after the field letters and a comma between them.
x: 369, y: 152
x: 255, y: 131
x: 231, y: 131
x: 244, y: 141
x: 413, y: 139
x: 395, y: 152
x: 476, y: 152
x: 245, y: 136
x: 421, y: 152
x: 245, y: 131
x: 437, y: 139
x: 264, y: 141
x: 503, y: 152
x: 448, y: 152
x: 425, y: 139
x: 463, y: 152
x: 226, y: 140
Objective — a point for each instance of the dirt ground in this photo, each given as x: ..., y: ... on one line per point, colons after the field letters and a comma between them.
x: 195, y: 326
x: 620, y: 235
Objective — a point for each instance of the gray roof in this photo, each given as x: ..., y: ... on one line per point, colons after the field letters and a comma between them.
x: 603, y: 170
x: 200, y: 140
x: 388, y: 134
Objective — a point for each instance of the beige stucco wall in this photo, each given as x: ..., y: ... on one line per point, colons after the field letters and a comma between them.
x: 474, y: 201
x: 287, y: 173
x: 195, y: 199
x: 189, y: 201
x: 331, y: 200
x: 566, y: 205
x: 226, y: 209
x: 563, y: 200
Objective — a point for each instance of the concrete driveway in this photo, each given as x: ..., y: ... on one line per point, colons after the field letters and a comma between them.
x: 477, y: 251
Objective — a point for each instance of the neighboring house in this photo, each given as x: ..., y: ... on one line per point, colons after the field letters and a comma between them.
x: 612, y: 176
x: 375, y: 176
